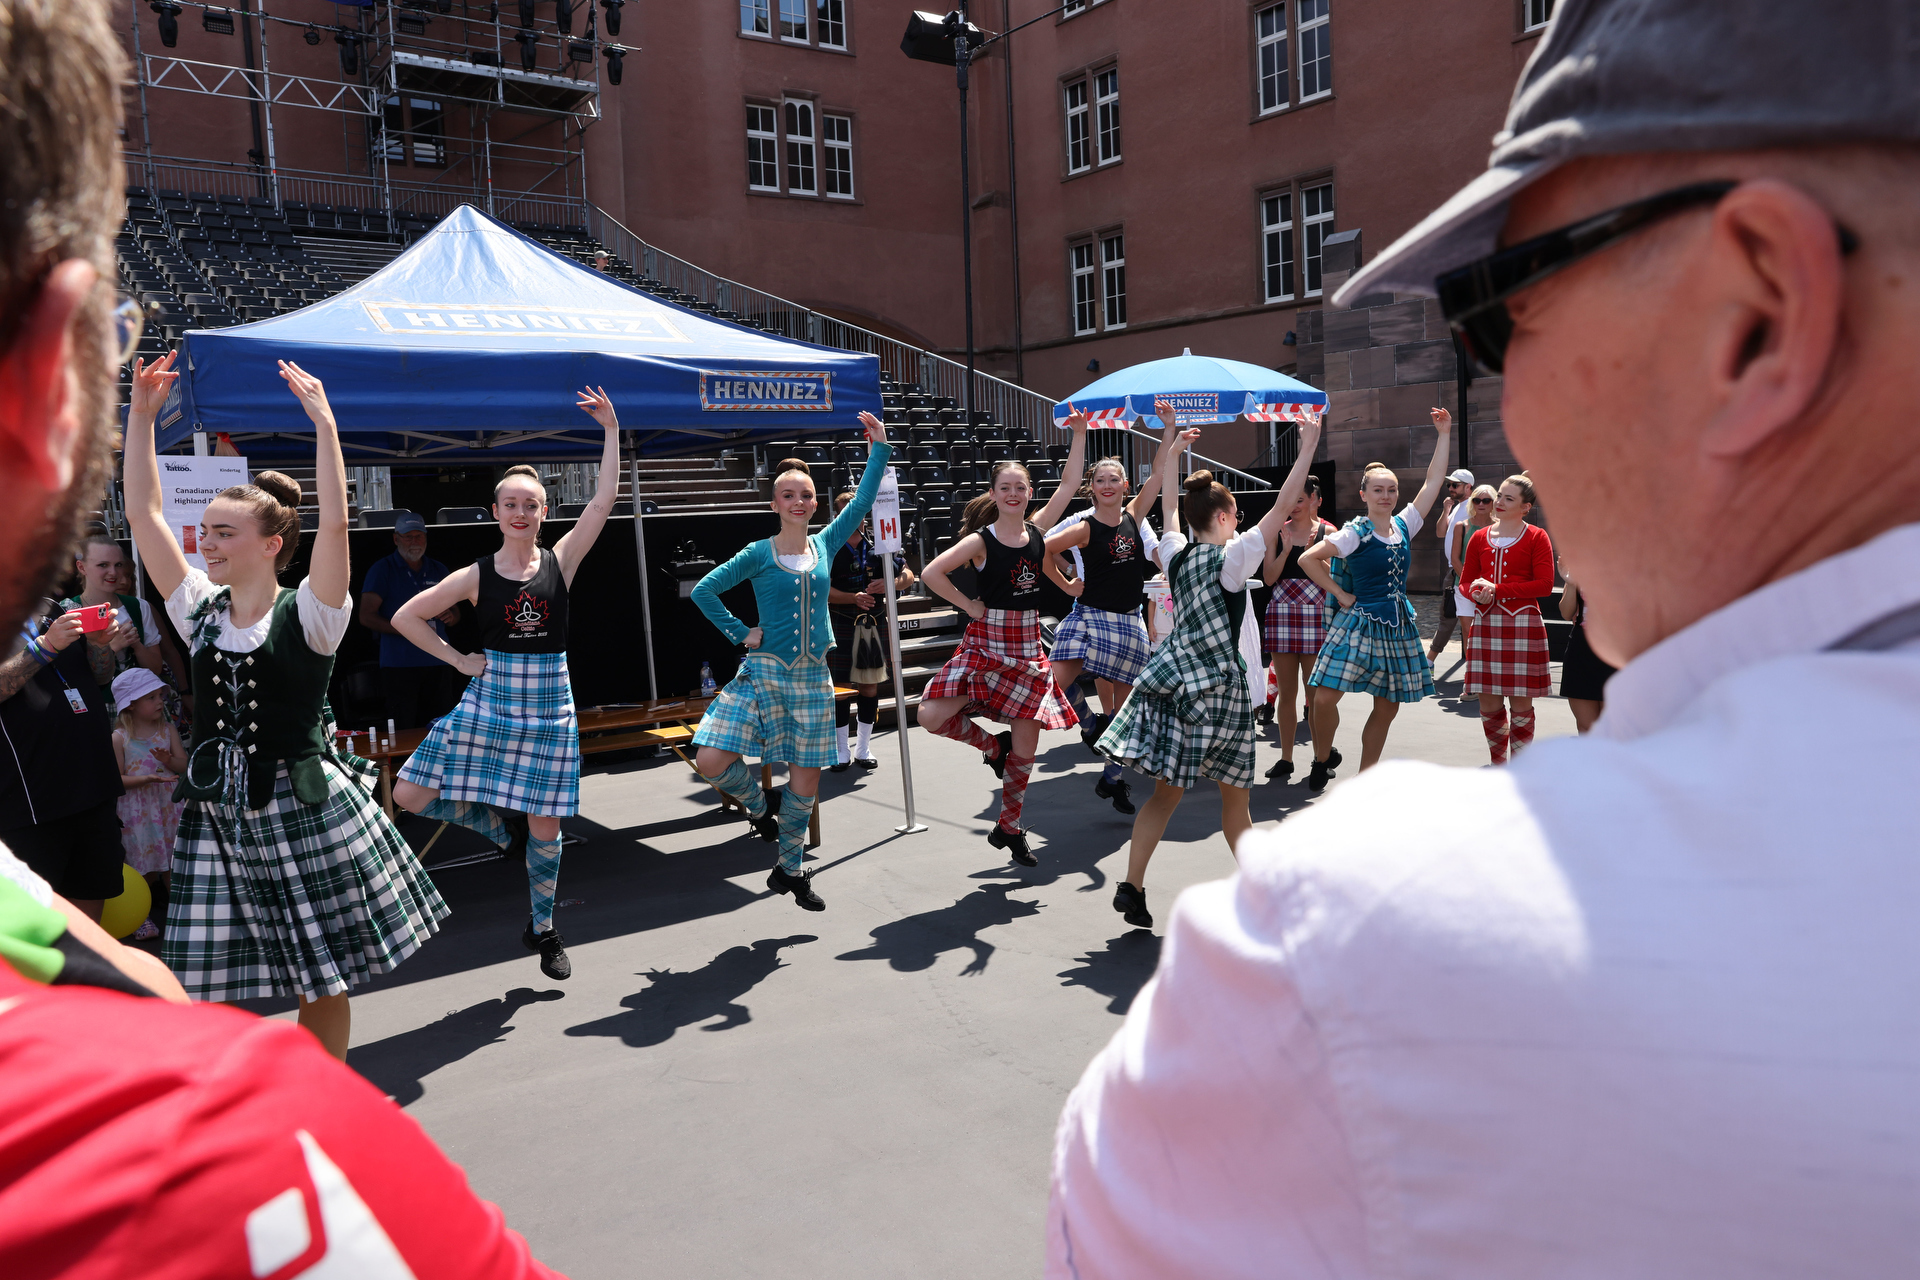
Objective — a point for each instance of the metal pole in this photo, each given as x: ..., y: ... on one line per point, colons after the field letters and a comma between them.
x: 266, y: 106
x: 140, y: 78
x: 640, y: 553
x: 960, y: 58
x: 1013, y: 203
x: 912, y: 825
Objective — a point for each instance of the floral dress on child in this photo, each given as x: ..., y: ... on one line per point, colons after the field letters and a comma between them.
x: 149, y: 815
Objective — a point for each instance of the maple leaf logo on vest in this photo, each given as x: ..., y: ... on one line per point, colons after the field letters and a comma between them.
x: 1024, y: 578
x: 1122, y: 547
x: 527, y: 614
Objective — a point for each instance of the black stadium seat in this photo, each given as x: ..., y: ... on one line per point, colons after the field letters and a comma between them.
x: 463, y: 515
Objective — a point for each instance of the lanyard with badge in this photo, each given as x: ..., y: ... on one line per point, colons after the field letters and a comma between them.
x: 75, y: 699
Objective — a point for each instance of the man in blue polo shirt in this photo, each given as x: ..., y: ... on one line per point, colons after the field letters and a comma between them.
x: 418, y: 687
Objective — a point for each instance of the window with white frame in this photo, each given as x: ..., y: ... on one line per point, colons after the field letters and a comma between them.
x: 1085, y: 303
x: 756, y: 18
x: 1113, y: 279
x: 800, y: 168
x: 1079, y: 135
x: 836, y: 142
x: 763, y: 157
x: 1106, y: 106
x: 1270, y: 39
x: 1072, y: 7
x: 1276, y: 252
x: 1316, y: 49
x: 830, y: 23
x: 1316, y: 223
x: 1538, y: 13
x: 793, y: 20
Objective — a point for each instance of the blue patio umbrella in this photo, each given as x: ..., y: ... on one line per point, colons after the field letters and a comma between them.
x: 1202, y: 388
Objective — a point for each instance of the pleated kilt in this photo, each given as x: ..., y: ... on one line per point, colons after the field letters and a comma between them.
x: 1362, y: 654
x: 1295, y: 620
x: 294, y: 899
x: 774, y: 712
x: 513, y: 741
x: 1150, y: 735
x: 1002, y: 671
x: 1507, y: 655
x: 1113, y: 646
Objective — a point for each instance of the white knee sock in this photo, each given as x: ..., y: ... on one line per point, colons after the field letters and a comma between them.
x: 862, y: 749
x: 840, y: 743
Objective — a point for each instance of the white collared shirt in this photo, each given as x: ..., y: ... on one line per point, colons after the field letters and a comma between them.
x: 1643, y: 1004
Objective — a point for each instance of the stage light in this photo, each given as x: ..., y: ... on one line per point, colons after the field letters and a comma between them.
x: 614, y: 54
x: 930, y: 37
x: 579, y: 51
x: 312, y: 36
x: 169, y: 21
x: 526, y: 13
x: 1093, y: 366
x: 529, y: 49
x: 483, y: 57
x: 444, y: 6
x: 349, y: 42
x: 613, y: 15
x: 217, y: 22
x: 563, y: 16
x: 412, y: 24
x: 1290, y: 340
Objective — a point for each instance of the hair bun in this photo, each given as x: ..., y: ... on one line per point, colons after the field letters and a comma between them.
x: 522, y: 469
x: 793, y: 464
x: 283, y: 489
x: 1199, y: 482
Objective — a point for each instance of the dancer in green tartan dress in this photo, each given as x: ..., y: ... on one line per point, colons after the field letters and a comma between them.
x: 1190, y: 716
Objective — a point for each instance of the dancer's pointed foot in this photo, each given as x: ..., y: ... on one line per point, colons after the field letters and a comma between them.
x: 1282, y: 771
x: 516, y: 847
x: 998, y: 763
x: 767, y: 825
x: 1117, y: 791
x: 1320, y: 775
x: 1131, y: 903
x: 553, y: 951
x: 800, y: 886
x: 1015, y: 843
x: 1090, y: 736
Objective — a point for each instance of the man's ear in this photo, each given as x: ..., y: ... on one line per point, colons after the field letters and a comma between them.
x: 39, y: 400
x: 1774, y: 260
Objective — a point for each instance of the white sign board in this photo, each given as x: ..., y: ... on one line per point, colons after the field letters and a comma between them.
x: 186, y: 486
x: 886, y: 513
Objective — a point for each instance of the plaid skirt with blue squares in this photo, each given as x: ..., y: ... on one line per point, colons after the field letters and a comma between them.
x: 513, y: 742
x: 1112, y: 645
x: 1362, y: 654
x: 774, y: 712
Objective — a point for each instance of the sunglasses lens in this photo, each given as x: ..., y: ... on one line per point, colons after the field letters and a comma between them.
x: 1485, y: 336
x: 129, y: 319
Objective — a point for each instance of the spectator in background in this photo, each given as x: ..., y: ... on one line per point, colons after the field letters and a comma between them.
x: 600, y: 260
x: 59, y: 786
x: 418, y: 686
x: 137, y: 639
x: 151, y: 759
x: 1583, y: 673
x: 1453, y: 513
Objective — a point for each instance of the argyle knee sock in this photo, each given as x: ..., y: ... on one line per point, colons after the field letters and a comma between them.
x: 863, y: 746
x: 840, y: 743
x: 474, y: 817
x: 543, y: 876
x: 738, y: 783
x: 1077, y: 700
x: 1111, y: 773
x: 1522, y: 730
x: 1495, y: 727
x: 794, y: 812
x: 1013, y: 790
x: 961, y: 728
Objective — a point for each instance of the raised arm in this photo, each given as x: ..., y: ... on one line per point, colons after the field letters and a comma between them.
x: 1143, y: 501
x: 1437, y: 468
x: 579, y: 540
x: 1292, y: 487
x: 1164, y: 466
x: 1070, y: 478
x: 414, y: 619
x: 841, y: 527
x: 935, y: 574
x: 330, y: 568
x: 160, y: 555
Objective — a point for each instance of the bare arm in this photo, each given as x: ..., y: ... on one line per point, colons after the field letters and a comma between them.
x: 1069, y: 478
x: 1292, y: 487
x: 1074, y: 535
x: 1313, y: 562
x: 1437, y: 468
x: 580, y: 539
x: 1570, y: 600
x: 935, y: 576
x: 1142, y: 502
x: 174, y: 754
x: 370, y: 615
x: 131, y: 961
x: 330, y: 569
x: 159, y: 553
x: 1050, y: 565
x: 414, y: 619
x: 20, y: 668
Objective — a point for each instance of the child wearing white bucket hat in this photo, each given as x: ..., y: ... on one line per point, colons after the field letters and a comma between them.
x: 151, y: 758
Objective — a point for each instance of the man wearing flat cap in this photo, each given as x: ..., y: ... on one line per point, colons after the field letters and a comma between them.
x: 1651, y: 1012
x: 418, y: 686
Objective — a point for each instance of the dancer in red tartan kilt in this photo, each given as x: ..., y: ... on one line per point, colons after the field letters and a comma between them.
x: 1507, y: 568
x: 1000, y: 671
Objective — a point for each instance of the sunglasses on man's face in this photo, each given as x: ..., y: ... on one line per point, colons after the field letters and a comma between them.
x: 1473, y: 298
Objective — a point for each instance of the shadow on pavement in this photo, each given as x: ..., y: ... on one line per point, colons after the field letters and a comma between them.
x: 913, y: 943
x: 674, y: 1000
x: 398, y: 1064
x: 1119, y: 971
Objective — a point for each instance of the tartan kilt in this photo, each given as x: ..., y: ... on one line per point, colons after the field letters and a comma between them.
x: 774, y: 712
x: 1296, y: 617
x: 1112, y: 645
x: 513, y: 741
x: 1002, y: 671
x: 1361, y: 654
x: 294, y: 899
x: 1148, y: 734
x: 1507, y: 655
x: 840, y: 657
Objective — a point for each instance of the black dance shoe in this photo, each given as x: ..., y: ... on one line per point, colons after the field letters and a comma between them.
x: 869, y: 764
x: 516, y: 822
x: 1131, y: 903
x: 1015, y: 843
x: 1090, y: 736
x: 1264, y: 715
x: 1333, y: 759
x: 838, y: 768
x: 767, y: 825
x: 553, y: 951
x: 999, y: 763
x: 1320, y: 775
x: 800, y: 886
x: 1117, y: 791
x: 1281, y: 771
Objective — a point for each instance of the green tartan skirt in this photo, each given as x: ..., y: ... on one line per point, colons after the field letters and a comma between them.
x: 1149, y: 734
x: 294, y: 899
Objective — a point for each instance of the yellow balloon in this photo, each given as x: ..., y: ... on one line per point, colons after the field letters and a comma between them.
x: 122, y: 915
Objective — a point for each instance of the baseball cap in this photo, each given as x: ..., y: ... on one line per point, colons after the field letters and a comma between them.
x: 134, y: 682
x: 1462, y: 476
x: 409, y: 522
x: 1615, y: 77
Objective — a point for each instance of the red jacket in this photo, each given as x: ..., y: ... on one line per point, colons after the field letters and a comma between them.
x: 1520, y: 573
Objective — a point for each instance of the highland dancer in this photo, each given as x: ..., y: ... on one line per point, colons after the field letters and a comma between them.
x: 1000, y: 670
x: 1296, y: 623
x: 779, y: 706
x: 1374, y: 644
x: 1191, y: 714
x: 288, y: 880
x: 513, y: 743
x: 1507, y: 568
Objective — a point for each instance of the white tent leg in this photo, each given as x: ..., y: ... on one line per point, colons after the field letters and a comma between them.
x: 640, y: 552
x: 888, y: 571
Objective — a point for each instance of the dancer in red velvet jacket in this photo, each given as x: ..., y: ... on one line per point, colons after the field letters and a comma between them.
x: 1507, y: 568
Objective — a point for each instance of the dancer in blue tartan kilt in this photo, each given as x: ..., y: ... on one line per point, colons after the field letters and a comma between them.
x: 1104, y: 636
x: 288, y: 880
x: 1373, y: 645
x: 779, y: 706
x: 1191, y: 713
x: 513, y: 743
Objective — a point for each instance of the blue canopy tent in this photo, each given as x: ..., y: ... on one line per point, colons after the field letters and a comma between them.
x: 1202, y: 388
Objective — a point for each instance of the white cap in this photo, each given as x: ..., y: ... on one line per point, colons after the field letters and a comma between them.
x: 1462, y: 476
